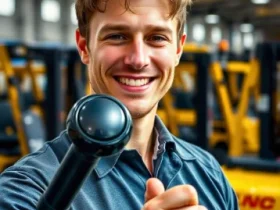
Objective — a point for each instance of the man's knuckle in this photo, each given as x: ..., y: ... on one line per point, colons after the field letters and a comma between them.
x: 202, y: 208
x: 189, y: 190
x: 148, y: 206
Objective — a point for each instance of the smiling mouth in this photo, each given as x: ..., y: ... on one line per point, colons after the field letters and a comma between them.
x: 134, y: 82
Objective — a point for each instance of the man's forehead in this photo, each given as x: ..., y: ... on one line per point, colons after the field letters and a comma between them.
x: 138, y: 5
x: 149, y: 3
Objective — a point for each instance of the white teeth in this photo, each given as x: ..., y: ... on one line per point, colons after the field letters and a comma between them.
x: 133, y: 82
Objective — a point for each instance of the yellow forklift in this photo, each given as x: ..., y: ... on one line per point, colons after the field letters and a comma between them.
x: 254, y: 174
x: 21, y: 130
x: 255, y: 178
x: 56, y: 65
x: 240, y: 127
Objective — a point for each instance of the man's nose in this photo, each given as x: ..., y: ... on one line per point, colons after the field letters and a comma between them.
x: 138, y: 55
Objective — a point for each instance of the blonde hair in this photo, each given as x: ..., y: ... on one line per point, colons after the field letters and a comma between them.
x: 86, y: 8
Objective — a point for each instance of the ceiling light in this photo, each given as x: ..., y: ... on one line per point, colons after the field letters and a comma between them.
x: 216, y: 35
x: 73, y: 15
x: 260, y: 1
x: 248, y: 41
x: 7, y: 7
x: 246, y: 27
x: 50, y: 10
x: 212, y: 19
x: 198, y: 32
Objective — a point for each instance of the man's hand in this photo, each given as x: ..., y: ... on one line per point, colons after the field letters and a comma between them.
x: 183, y: 197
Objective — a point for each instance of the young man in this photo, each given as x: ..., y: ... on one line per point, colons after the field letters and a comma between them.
x: 131, y: 49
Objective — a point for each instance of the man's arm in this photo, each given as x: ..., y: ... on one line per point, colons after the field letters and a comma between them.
x: 230, y: 196
x: 18, y: 190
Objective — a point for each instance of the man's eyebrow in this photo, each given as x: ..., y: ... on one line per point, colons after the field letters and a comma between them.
x: 114, y: 27
x: 158, y: 28
x: 123, y: 27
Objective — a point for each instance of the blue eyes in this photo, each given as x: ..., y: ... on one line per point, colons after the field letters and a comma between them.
x: 116, y: 37
x: 121, y: 37
x: 157, y: 38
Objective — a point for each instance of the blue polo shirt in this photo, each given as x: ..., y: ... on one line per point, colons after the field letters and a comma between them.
x: 118, y: 182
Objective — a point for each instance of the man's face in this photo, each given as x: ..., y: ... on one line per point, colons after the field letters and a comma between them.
x: 132, y: 55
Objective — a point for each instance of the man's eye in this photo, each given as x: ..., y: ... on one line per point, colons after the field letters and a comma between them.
x: 118, y: 37
x: 157, y: 38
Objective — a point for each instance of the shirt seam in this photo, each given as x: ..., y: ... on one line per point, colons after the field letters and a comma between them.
x: 30, y: 158
x: 194, y: 158
x: 209, y: 167
x: 181, y: 166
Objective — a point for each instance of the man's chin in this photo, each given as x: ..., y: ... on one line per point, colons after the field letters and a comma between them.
x: 137, y: 113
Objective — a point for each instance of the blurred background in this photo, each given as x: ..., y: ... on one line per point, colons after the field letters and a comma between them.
x: 243, y: 22
x: 225, y: 97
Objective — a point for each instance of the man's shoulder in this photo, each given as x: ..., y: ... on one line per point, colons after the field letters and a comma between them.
x: 45, y: 160
x: 189, y: 151
x: 22, y: 184
x: 201, y: 163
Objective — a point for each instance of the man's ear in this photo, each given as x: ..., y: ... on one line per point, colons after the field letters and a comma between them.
x: 180, y: 48
x: 82, y: 47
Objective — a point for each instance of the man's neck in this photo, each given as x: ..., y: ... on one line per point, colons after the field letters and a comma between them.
x: 142, y: 138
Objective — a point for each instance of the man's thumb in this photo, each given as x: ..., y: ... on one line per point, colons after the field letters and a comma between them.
x: 154, y: 187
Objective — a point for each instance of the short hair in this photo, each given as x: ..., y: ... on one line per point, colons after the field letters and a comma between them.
x: 86, y: 8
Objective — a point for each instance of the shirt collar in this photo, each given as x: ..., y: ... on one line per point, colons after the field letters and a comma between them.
x: 169, y: 141
x: 165, y: 141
